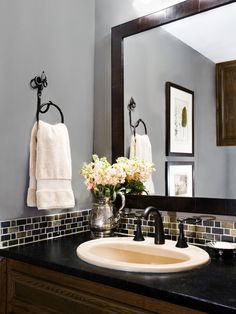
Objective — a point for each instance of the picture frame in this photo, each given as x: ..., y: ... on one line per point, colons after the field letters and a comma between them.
x: 180, y: 178
x: 179, y: 120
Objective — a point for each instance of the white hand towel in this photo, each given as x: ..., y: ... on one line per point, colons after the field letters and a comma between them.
x: 141, y: 148
x: 50, y: 167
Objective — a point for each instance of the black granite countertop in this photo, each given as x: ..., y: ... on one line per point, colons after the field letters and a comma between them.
x: 211, y: 288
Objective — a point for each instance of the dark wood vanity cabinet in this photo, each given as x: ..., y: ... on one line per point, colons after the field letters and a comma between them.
x: 36, y: 290
x: 226, y: 103
x: 3, y: 285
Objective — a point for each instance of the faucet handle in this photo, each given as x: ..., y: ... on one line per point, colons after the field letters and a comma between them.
x: 189, y: 220
x: 182, y: 243
x: 139, y: 235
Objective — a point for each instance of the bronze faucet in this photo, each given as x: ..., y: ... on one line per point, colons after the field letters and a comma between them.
x: 159, y: 229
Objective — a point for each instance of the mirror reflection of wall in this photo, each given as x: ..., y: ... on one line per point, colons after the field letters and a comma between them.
x: 184, y: 53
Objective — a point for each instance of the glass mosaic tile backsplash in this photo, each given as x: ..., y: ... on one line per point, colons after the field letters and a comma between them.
x: 207, y: 230
x: 32, y: 229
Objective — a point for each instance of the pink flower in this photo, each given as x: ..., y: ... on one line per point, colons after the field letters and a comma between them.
x: 103, y: 178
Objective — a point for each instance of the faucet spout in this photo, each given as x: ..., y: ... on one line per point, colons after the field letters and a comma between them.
x: 159, y: 229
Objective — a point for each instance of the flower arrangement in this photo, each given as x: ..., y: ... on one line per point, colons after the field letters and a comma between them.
x: 126, y: 175
x: 137, y: 173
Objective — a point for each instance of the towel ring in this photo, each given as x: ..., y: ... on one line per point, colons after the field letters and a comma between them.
x: 47, y: 108
x: 137, y: 124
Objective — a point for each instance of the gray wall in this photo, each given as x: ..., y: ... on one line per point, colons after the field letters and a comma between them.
x: 56, y: 36
x: 151, y: 59
x: 110, y: 13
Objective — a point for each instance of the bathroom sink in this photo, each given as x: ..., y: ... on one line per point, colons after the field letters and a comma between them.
x: 128, y: 255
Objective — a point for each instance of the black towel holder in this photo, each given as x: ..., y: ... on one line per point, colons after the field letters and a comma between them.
x: 50, y: 103
x: 137, y: 124
x: 131, y: 106
x: 39, y: 83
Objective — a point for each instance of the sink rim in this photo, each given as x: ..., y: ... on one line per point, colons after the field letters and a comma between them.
x: 197, y: 257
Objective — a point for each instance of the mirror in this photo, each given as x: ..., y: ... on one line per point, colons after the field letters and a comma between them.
x: 138, y: 70
x: 184, y: 52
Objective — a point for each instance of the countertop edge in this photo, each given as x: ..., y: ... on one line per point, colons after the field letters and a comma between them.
x: 138, y: 288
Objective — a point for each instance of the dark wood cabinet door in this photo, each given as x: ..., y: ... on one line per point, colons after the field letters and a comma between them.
x: 3, y: 285
x: 35, y: 290
x: 226, y: 103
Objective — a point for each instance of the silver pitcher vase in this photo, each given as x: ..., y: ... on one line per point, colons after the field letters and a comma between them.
x: 104, y: 216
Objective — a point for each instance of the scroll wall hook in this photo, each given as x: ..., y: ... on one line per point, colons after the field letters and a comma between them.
x: 39, y: 83
x: 131, y: 106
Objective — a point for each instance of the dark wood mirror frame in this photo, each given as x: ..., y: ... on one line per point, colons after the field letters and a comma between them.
x: 174, y: 13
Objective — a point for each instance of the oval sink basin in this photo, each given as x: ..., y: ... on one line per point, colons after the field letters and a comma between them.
x: 128, y: 255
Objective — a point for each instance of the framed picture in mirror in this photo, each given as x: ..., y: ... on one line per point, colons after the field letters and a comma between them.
x: 179, y: 120
x: 179, y: 178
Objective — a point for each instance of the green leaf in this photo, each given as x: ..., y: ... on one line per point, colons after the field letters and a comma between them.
x: 184, y: 117
x: 114, y: 196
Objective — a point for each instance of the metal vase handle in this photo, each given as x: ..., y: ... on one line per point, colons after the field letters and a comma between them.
x: 122, y: 202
